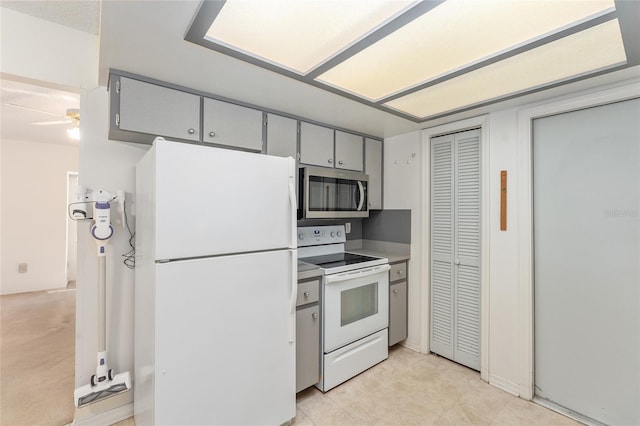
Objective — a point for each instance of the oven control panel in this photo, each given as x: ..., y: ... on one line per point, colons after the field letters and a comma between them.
x: 318, y: 235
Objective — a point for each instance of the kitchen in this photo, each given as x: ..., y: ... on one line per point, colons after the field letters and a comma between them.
x: 111, y: 163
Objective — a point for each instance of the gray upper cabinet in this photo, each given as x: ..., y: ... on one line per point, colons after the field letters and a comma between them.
x: 316, y: 145
x: 348, y: 151
x: 232, y: 125
x: 373, y: 167
x: 156, y: 111
x: 282, y: 136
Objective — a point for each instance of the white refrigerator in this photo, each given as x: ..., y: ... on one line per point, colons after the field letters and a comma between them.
x: 215, y: 277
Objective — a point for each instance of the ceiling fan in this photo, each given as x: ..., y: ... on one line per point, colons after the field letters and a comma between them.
x: 72, y: 115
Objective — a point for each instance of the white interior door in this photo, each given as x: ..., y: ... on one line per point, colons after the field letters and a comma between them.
x: 455, y: 247
x: 586, y: 167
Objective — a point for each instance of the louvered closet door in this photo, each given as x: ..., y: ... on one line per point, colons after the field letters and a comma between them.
x: 455, y: 247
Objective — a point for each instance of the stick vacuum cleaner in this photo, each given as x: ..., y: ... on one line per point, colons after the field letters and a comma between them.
x: 104, y: 383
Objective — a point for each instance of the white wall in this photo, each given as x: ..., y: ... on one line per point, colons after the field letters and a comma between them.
x: 107, y: 165
x: 403, y: 190
x: 34, y: 197
x: 509, y: 353
x: 46, y: 51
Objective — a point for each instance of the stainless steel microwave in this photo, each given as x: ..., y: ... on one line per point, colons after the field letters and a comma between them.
x: 332, y: 193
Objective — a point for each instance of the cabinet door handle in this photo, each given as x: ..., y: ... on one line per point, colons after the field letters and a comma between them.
x: 399, y: 272
x: 306, y: 294
x: 340, y: 162
x: 191, y: 131
x: 212, y: 134
x: 395, y: 291
x: 314, y: 315
x: 330, y: 160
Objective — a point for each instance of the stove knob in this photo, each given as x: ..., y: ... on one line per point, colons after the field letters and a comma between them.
x: 333, y: 234
x: 339, y: 233
x: 301, y: 236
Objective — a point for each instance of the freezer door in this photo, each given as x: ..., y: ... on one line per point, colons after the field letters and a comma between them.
x: 223, y: 350
x: 211, y: 201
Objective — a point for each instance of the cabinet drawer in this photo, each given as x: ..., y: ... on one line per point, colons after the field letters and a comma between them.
x: 308, y: 292
x: 398, y: 272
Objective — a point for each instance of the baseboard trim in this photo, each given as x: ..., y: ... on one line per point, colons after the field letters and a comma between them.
x: 411, y: 344
x: 106, y: 418
x: 566, y: 412
x: 504, y: 384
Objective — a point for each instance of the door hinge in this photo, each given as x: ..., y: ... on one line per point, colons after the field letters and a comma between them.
x: 118, y: 86
x: 117, y: 119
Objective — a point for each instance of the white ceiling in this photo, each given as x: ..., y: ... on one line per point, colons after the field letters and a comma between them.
x: 22, y: 104
x: 83, y: 15
x: 147, y: 38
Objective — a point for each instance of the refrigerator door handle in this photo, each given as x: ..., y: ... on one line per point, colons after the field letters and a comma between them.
x: 292, y: 199
x: 294, y: 296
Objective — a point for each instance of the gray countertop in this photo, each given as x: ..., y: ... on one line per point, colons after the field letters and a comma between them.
x: 308, y: 270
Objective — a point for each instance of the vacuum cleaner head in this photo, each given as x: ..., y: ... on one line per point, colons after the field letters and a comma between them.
x: 88, y: 394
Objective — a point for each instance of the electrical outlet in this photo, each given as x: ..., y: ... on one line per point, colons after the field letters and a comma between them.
x: 22, y: 268
x: 347, y: 227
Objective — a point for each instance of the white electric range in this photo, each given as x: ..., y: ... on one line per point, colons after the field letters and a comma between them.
x: 355, y: 304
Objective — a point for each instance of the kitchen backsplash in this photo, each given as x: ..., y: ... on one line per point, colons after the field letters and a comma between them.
x: 393, y: 226
x: 382, y: 225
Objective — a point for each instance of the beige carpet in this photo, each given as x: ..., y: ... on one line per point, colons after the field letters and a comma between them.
x: 37, y: 350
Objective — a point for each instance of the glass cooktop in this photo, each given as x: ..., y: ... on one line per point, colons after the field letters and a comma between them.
x: 335, y: 260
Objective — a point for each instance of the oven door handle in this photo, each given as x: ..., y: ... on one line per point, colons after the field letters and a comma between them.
x: 361, y: 189
x: 360, y: 273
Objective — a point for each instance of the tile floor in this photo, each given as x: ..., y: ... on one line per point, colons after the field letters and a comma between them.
x: 410, y: 388
x: 415, y: 389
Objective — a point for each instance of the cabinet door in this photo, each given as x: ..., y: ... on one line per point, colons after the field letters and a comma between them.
x: 156, y: 110
x: 282, y: 136
x: 316, y: 145
x: 307, y: 347
x: 348, y: 151
x: 397, y: 312
x: 232, y: 125
x: 373, y: 168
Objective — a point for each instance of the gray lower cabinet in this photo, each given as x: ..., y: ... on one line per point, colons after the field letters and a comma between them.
x: 231, y: 125
x: 308, y: 334
x: 397, y: 303
x: 143, y: 111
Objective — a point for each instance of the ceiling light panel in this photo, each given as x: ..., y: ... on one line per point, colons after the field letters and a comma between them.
x: 594, y: 49
x: 454, y: 35
x: 299, y: 35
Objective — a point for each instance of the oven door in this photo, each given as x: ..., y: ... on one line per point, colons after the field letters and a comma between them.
x: 356, y: 304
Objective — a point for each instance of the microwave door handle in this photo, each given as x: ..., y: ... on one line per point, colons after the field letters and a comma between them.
x: 361, y: 188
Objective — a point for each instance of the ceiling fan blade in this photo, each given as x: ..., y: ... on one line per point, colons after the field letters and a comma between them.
x: 49, y: 123
x: 34, y: 110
